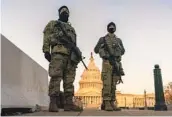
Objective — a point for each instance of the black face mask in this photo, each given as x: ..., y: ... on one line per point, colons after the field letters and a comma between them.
x: 64, y: 16
x: 111, y: 30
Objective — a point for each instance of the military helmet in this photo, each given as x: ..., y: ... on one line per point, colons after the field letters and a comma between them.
x: 63, y: 8
x: 111, y: 24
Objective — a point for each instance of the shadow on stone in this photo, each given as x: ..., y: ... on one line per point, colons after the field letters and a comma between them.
x: 15, y: 111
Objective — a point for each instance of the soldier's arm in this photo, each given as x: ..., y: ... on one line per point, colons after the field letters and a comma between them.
x: 98, y: 45
x: 74, y: 36
x: 46, y: 37
x: 122, y: 47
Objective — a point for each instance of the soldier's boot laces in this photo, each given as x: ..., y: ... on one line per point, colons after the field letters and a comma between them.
x: 53, y: 105
x: 70, y: 106
x: 108, y: 106
x: 115, y: 108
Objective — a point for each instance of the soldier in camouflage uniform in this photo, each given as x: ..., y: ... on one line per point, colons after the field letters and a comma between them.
x: 110, y: 78
x: 59, y: 55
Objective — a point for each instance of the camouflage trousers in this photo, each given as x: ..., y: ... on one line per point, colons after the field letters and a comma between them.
x: 60, y: 68
x: 109, y: 81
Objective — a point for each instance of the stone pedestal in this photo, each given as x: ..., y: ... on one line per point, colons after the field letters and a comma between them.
x: 159, y: 94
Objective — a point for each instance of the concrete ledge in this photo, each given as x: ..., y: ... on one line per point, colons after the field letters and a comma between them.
x: 24, y: 83
x: 169, y: 107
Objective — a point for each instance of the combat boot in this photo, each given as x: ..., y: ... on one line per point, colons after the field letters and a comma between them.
x: 70, y: 106
x: 60, y: 100
x: 53, y: 104
x: 115, y: 108
x: 103, y: 105
x: 108, y: 106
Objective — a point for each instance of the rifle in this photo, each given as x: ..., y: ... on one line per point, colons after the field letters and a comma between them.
x: 71, y: 45
x: 113, y: 62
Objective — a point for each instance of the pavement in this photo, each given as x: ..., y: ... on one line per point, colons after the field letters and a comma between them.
x: 94, y: 112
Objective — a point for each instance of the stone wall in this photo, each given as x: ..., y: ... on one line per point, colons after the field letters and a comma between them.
x: 24, y: 83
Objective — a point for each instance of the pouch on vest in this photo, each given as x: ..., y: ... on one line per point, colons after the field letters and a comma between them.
x: 60, y: 49
x: 74, y: 58
x: 103, y: 53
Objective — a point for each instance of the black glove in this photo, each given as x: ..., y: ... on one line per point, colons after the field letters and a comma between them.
x: 47, y: 56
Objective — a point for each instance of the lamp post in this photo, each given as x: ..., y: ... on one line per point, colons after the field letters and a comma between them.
x: 125, y: 102
x: 159, y: 93
x: 145, y: 99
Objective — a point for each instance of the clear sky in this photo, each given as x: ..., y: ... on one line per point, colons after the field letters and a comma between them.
x: 145, y: 27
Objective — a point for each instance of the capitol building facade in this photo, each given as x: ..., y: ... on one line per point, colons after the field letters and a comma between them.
x: 90, y: 91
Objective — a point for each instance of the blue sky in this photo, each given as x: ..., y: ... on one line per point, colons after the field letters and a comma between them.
x: 145, y: 27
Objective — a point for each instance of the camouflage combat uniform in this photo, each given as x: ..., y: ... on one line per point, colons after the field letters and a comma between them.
x: 61, y: 66
x: 109, y: 80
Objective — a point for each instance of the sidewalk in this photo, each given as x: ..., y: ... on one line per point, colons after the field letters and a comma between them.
x: 89, y: 112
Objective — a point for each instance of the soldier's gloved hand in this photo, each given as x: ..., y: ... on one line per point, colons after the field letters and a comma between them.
x: 119, y: 81
x: 47, y: 56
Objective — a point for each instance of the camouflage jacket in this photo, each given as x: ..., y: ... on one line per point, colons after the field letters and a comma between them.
x: 115, y: 44
x: 52, y: 33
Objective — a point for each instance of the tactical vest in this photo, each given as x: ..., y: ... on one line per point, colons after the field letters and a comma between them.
x: 57, y: 33
x: 113, y: 45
